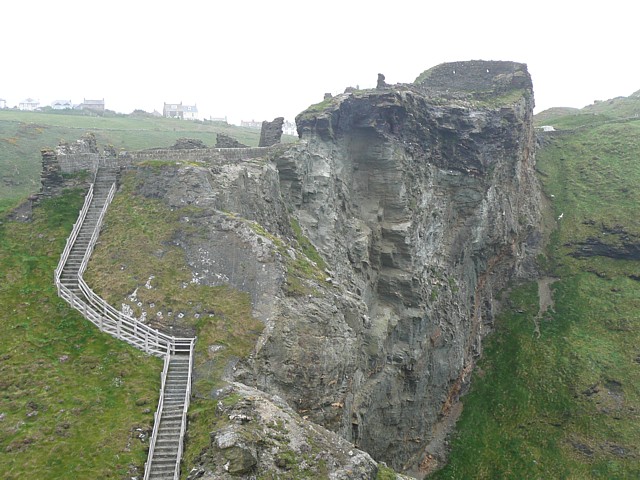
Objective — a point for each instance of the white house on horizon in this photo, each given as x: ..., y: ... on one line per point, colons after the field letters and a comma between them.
x: 30, y: 104
x: 3, y: 103
x: 178, y: 110
x: 61, y: 105
x: 92, y: 105
x: 289, y: 128
x: 251, y: 124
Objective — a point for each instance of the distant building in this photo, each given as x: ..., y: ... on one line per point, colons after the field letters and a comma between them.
x: 62, y: 105
x: 178, y: 110
x: 289, y: 128
x: 218, y: 119
x: 251, y: 124
x: 92, y: 105
x: 3, y: 103
x: 29, y: 104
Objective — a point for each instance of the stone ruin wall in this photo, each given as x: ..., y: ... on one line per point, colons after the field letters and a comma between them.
x: 57, y: 165
x: 76, y: 162
x: 473, y: 76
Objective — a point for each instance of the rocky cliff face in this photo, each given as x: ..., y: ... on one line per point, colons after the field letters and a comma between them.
x: 422, y: 202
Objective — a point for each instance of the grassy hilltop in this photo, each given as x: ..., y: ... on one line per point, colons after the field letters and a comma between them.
x: 557, y: 395
x: 23, y: 134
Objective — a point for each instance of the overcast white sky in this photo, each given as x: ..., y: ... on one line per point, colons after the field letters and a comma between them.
x: 250, y: 59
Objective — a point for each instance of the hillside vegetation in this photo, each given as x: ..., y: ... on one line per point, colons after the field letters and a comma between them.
x: 619, y: 109
x: 73, y: 401
x: 557, y: 393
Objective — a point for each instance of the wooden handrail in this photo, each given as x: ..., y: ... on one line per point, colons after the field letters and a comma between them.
x: 156, y: 418
x: 183, y: 423
x: 73, y: 235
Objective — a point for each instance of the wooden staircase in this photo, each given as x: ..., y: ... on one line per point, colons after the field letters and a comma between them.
x: 105, y: 178
x: 166, y: 442
x: 162, y: 463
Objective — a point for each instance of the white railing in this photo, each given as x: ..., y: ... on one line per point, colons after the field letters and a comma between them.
x: 183, y: 423
x: 72, y: 237
x: 99, y: 312
x: 110, y: 320
x: 156, y: 419
x: 121, y: 326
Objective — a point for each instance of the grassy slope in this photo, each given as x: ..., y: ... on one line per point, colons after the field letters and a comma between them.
x: 71, y: 399
x: 566, y: 405
x: 613, y: 110
x: 101, y: 378
x: 23, y: 134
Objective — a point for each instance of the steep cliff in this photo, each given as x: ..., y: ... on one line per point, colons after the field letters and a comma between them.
x: 372, y: 250
x: 422, y: 199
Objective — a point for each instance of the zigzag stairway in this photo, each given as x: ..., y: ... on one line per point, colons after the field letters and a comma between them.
x: 166, y: 442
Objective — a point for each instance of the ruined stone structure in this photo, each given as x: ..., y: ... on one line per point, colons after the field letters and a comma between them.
x: 227, y: 141
x: 380, y: 84
x: 188, y: 144
x: 271, y: 132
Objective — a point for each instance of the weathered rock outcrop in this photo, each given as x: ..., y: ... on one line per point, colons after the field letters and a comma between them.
x: 227, y: 141
x: 612, y: 242
x: 262, y: 435
x: 271, y: 132
x: 188, y: 144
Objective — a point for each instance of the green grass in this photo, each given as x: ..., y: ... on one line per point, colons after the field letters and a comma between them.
x: 73, y: 401
x: 618, y: 109
x: 593, y: 176
x: 316, y: 109
x: 565, y: 405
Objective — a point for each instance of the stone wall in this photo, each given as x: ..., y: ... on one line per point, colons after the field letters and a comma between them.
x: 475, y: 76
x: 202, y: 155
x: 76, y: 162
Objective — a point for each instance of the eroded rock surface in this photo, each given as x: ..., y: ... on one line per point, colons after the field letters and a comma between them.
x: 271, y: 132
x: 424, y: 203
x: 227, y: 141
x: 262, y: 435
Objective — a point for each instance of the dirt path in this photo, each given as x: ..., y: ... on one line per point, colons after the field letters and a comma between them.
x: 546, y: 300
